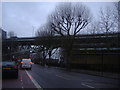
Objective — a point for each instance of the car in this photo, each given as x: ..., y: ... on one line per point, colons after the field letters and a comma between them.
x: 9, y: 68
x: 26, y: 63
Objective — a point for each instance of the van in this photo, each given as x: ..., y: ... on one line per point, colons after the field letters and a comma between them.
x: 26, y: 63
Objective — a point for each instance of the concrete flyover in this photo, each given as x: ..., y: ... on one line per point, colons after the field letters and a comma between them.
x: 88, y: 51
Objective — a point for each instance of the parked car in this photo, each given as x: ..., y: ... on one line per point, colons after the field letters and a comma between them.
x: 26, y: 63
x: 9, y: 68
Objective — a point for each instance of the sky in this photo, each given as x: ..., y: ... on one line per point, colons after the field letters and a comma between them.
x: 24, y: 18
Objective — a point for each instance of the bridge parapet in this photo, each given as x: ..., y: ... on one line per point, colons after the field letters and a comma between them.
x: 81, y: 42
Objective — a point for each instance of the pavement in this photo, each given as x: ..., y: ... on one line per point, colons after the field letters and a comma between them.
x: 96, y: 73
x: 103, y: 74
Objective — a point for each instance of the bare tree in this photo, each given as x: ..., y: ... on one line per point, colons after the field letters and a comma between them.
x: 45, y: 31
x: 107, y: 23
x: 93, y: 28
x: 68, y: 20
x: 106, y: 20
x: 117, y: 14
x: 47, y: 48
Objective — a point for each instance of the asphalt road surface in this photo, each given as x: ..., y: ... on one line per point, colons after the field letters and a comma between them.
x: 51, y: 77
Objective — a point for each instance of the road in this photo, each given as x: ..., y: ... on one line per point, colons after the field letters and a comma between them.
x: 51, y: 77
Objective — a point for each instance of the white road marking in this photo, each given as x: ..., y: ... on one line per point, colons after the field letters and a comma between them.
x: 62, y: 77
x: 87, y: 85
x: 33, y: 80
x: 22, y: 83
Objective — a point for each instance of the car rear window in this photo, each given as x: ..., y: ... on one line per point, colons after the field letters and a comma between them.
x: 26, y: 60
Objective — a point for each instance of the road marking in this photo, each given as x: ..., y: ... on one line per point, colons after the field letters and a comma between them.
x: 21, y: 82
x: 87, y: 85
x: 33, y: 80
x: 62, y: 77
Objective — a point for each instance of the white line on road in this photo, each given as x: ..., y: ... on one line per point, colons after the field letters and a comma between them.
x: 62, y: 77
x: 33, y: 80
x: 87, y: 85
x: 21, y: 83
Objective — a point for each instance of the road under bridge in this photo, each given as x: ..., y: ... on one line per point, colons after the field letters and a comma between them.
x: 88, y: 51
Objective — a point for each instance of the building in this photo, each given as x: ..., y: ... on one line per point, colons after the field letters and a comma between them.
x: 3, y: 34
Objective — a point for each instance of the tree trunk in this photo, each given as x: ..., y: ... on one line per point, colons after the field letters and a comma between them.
x: 68, y: 60
x: 68, y: 53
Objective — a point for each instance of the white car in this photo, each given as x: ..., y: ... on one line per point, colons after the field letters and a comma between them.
x: 26, y: 63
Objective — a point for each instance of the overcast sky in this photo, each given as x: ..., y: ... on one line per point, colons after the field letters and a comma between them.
x: 24, y: 18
